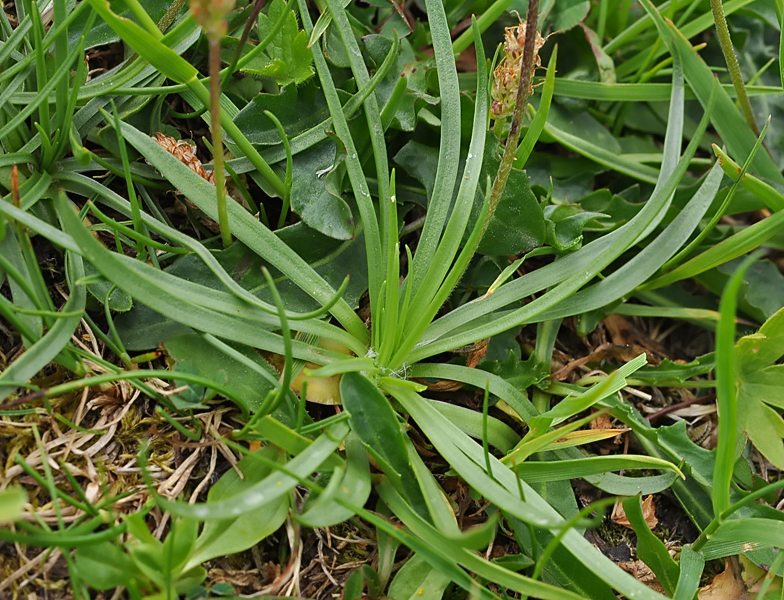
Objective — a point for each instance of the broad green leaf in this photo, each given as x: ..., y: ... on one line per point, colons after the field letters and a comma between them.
x: 325, y: 511
x: 248, y: 383
x: 418, y: 580
x: 104, y: 566
x: 376, y: 424
x: 179, y: 543
x: 420, y: 162
x: 119, y: 301
x: 764, y: 385
x: 299, y: 108
x: 145, y: 329
x: 603, y: 61
x: 763, y: 425
x: 763, y: 348
x: 568, y: 13
x: 564, y: 226
x: 760, y: 387
x: 316, y: 191
x: 221, y: 538
x: 517, y: 225
x: 287, y: 59
x: 12, y: 501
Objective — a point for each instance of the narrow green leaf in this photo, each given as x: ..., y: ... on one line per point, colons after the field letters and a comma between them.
x: 767, y: 193
x: 449, y: 149
x: 613, y: 383
x: 55, y: 340
x: 616, y: 162
x: 453, y: 552
x: 691, y: 565
x: 500, y: 435
x: 650, y: 549
x: 536, y: 472
x: 564, y: 274
x: 356, y: 175
x: 726, y: 390
x: 537, y: 125
x: 247, y: 229
x: 446, y: 251
x: 467, y: 458
x: 727, y: 120
x: 752, y: 530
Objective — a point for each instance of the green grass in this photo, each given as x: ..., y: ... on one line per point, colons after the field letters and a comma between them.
x: 402, y: 318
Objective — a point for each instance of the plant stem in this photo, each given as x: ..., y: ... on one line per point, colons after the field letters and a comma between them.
x: 217, y: 140
x: 523, y: 93
x: 732, y: 63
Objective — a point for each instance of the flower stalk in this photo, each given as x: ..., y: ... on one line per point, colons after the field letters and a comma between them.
x: 528, y: 61
x: 732, y: 63
x: 211, y: 16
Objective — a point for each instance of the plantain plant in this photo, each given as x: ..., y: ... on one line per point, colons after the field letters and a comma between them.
x: 223, y: 328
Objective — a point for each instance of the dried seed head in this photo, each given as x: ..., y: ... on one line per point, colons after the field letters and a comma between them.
x: 211, y: 15
x: 506, y: 77
x: 186, y: 153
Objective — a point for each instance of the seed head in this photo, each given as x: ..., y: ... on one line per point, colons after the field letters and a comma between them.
x: 211, y: 15
x: 506, y: 77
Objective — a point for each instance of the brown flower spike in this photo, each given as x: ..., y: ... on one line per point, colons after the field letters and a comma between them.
x: 185, y: 153
x: 506, y: 76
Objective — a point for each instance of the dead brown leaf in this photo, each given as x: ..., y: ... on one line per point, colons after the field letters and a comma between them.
x: 642, y: 573
x: 648, y: 512
x: 727, y: 585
